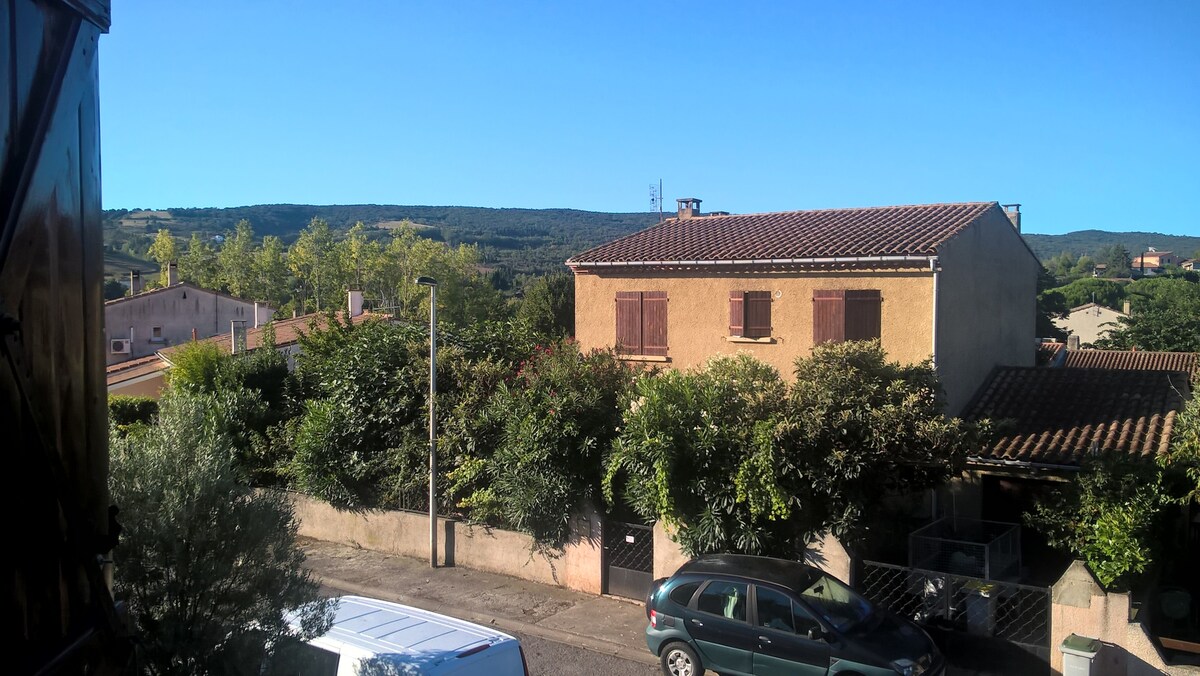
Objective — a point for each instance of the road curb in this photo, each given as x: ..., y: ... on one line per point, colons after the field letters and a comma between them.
x: 591, y: 643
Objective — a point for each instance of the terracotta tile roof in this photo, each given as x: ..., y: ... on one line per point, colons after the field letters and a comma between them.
x: 1054, y: 416
x: 287, y: 331
x: 1049, y: 353
x: 785, y: 236
x: 182, y: 285
x: 134, y: 368
x: 1133, y: 359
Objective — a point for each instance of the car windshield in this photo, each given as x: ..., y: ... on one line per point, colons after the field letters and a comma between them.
x: 840, y: 605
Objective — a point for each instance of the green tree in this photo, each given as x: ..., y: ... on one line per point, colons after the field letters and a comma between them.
x: 1117, y: 258
x: 271, y: 281
x: 1165, y: 317
x: 199, y: 264
x: 164, y: 251
x: 208, y: 567
x: 313, y: 262
x: 804, y: 460
x: 1111, y: 516
x: 549, y: 306
x: 236, y: 260
x: 1051, y: 306
x: 113, y: 289
x: 1092, y: 290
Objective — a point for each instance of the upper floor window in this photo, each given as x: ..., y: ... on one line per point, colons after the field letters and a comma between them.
x: 750, y: 314
x: 642, y: 322
x: 846, y: 314
x: 156, y: 334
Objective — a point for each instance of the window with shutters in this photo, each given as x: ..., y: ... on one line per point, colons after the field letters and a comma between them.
x: 642, y: 323
x: 846, y: 314
x: 750, y: 314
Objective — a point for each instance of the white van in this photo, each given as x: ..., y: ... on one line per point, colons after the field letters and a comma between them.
x: 370, y: 637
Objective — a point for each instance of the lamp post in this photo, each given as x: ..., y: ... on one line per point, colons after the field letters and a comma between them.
x: 432, y: 284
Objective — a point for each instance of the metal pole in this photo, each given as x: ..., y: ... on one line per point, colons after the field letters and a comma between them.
x: 433, y: 562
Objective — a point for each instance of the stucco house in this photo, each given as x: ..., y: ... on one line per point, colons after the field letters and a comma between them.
x: 954, y: 283
x: 1090, y: 321
x: 140, y: 324
x: 1153, y: 262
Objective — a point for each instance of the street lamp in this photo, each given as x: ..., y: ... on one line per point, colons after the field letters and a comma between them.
x: 432, y: 284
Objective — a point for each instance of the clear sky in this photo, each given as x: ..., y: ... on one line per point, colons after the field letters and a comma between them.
x: 1087, y: 113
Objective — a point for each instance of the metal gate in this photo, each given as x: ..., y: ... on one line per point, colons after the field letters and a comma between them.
x: 999, y: 624
x: 628, y: 559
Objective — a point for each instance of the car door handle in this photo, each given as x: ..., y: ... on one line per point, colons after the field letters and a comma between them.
x: 696, y: 622
x: 764, y: 639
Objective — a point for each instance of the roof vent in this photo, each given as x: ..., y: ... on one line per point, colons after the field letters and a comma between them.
x: 689, y: 207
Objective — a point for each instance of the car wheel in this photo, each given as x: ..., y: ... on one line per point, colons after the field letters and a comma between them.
x: 678, y: 659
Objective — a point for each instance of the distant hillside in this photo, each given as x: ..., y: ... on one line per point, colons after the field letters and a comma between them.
x: 525, y: 240
x: 1090, y: 241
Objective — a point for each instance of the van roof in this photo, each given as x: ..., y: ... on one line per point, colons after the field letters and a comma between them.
x: 423, y: 637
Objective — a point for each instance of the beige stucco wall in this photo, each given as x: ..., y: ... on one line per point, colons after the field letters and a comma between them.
x: 490, y: 549
x: 698, y: 311
x: 207, y: 312
x: 1090, y: 323
x: 987, y: 306
x: 1080, y: 606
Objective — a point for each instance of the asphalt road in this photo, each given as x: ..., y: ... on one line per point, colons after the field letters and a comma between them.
x: 547, y: 658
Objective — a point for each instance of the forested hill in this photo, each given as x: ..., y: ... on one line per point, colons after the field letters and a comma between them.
x: 527, y: 240
x: 1090, y: 242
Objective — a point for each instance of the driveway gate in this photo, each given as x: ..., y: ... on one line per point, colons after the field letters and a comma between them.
x: 628, y: 559
x: 986, y: 618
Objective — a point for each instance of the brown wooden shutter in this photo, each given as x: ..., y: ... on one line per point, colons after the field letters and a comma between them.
x: 654, y: 323
x: 629, y: 322
x: 737, y: 313
x: 863, y: 310
x: 758, y: 314
x: 829, y: 316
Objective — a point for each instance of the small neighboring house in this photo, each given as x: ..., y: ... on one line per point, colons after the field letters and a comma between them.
x: 1153, y: 262
x: 1090, y: 322
x: 951, y: 282
x: 1189, y: 264
x: 147, y: 376
x: 140, y: 324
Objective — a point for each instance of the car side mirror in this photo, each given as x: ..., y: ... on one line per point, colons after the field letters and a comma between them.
x: 815, y: 633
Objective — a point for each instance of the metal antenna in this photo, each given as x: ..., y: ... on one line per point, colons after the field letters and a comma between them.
x: 656, y: 199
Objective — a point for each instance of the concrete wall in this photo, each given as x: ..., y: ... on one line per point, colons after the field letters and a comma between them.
x: 987, y: 306
x: 177, y: 310
x: 579, y: 567
x: 1081, y: 606
x: 490, y: 549
x: 698, y: 312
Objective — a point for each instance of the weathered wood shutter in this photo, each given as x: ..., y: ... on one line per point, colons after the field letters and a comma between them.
x: 629, y: 322
x: 737, y: 313
x: 863, y: 310
x: 829, y: 316
x: 654, y: 323
x: 758, y: 314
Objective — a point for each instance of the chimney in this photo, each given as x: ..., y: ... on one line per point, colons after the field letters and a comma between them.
x: 1127, y: 308
x: 354, y: 301
x: 689, y: 207
x: 135, y: 282
x: 172, y: 273
x: 1073, y: 341
x: 256, y: 314
x: 237, y: 336
x: 1013, y: 211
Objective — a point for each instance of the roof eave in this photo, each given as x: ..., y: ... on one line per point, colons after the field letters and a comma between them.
x: 812, y: 260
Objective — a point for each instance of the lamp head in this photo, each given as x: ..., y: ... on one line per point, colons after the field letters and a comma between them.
x: 426, y: 281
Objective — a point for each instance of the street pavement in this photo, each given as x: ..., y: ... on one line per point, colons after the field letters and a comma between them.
x: 544, y: 617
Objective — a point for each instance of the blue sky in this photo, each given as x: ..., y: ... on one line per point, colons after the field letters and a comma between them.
x: 1087, y: 113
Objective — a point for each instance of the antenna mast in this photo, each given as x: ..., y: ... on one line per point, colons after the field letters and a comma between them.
x: 656, y: 199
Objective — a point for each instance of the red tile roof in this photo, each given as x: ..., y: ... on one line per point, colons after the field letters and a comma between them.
x: 134, y: 368
x: 1055, y: 416
x: 287, y: 331
x: 787, y: 236
x: 1133, y: 359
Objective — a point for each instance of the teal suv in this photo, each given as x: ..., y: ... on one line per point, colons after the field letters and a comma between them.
x: 753, y: 615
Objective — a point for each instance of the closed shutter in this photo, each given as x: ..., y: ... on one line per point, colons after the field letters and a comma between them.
x: 737, y: 313
x: 654, y: 323
x: 758, y: 314
x: 629, y: 322
x: 829, y: 316
x: 863, y: 309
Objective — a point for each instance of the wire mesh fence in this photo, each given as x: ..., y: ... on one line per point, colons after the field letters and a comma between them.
x: 1006, y: 611
x: 967, y: 547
